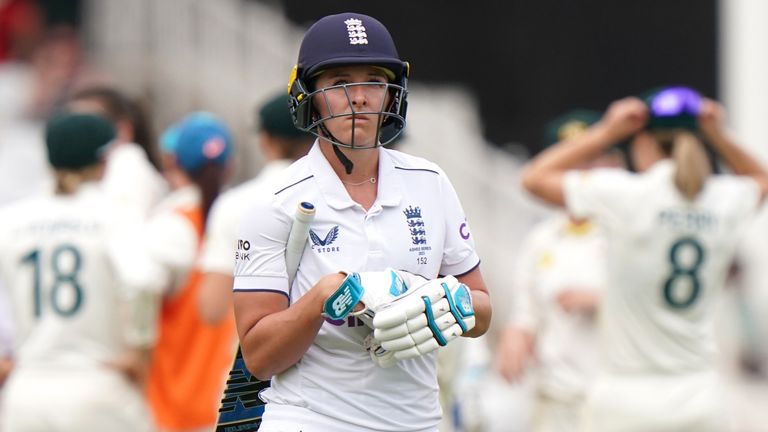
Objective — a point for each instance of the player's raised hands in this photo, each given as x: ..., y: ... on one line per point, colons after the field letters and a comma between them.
x: 711, y: 118
x: 625, y: 117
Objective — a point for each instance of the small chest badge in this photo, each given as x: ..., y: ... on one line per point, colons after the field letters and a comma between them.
x: 416, y: 225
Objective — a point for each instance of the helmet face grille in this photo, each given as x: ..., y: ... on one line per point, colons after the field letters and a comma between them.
x: 391, y: 118
x: 343, y: 40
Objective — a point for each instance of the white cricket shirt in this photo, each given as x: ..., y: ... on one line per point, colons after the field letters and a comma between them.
x: 171, y: 239
x: 558, y: 256
x: 131, y: 180
x: 667, y: 259
x: 225, y: 215
x: 69, y: 262
x: 416, y: 224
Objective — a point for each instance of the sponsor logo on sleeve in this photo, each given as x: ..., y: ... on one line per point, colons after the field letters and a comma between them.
x: 464, y: 230
x: 242, y: 249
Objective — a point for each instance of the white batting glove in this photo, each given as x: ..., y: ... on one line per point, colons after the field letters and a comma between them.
x: 343, y: 301
x: 382, y: 288
x: 425, y: 318
x: 380, y: 356
x: 373, y: 290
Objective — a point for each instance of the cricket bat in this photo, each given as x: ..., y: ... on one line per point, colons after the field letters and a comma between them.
x: 241, y: 408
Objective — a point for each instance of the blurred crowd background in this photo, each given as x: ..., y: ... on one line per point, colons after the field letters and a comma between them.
x: 486, y: 78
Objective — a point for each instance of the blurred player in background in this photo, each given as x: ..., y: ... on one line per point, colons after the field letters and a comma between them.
x: 375, y: 208
x: 281, y: 143
x: 60, y: 67
x: 22, y: 24
x: 133, y: 165
x: 83, y: 295
x: 671, y: 231
x: 192, y: 357
x: 559, y: 279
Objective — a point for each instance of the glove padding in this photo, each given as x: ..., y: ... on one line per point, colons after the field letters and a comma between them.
x: 424, y: 318
x: 373, y: 289
x: 346, y: 297
x: 380, y: 356
x: 383, y: 287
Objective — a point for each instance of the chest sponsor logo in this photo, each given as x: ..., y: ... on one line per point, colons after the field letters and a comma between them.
x: 324, y: 244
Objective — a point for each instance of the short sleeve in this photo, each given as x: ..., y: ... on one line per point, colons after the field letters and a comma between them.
x: 131, y: 180
x: 135, y: 266
x: 260, y: 248
x: 459, y: 256
x: 743, y: 193
x: 597, y: 194
x: 172, y: 241
x: 751, y: 201
x: 218, y: 252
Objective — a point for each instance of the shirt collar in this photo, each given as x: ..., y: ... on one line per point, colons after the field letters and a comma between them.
x: 391, y: 187
x: 389, y: 184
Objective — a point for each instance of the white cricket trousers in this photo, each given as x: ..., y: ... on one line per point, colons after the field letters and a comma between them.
x: 656, y: 403
x: 552, y: 415
x: 72, y: 401
x: 283, y: 418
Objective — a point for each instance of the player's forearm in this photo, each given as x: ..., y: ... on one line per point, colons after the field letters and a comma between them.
x: 481, y: 302
x: 582, y: 148
x: 139, y: 314
x: 543, y: 176
x: 740, y: 162
x: 6, y: 365
x: 515, y: 347
x: 279, y: 340
x: 214, y: 300
x: 134, y: 364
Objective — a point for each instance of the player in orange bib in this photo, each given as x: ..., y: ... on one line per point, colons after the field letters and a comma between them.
x: 192, y: 357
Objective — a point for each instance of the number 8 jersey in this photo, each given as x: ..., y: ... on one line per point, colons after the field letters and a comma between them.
x: 667, y: 259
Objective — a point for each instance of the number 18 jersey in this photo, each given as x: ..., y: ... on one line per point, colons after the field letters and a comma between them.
x: 667, y: 259
x: 69, y: 264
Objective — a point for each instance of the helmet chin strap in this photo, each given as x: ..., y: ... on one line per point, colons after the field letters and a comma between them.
x: 348, y: 165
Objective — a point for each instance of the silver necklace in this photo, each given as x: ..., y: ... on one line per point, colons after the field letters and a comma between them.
x: 370, y: 180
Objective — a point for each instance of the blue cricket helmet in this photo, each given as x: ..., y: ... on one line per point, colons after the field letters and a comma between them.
x: 347, y: 39
x: 341, y: 40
